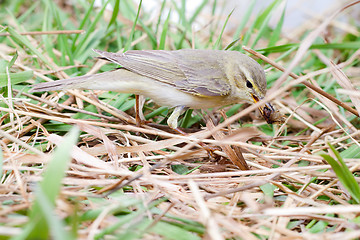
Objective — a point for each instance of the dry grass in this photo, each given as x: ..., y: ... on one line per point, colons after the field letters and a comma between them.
x: 288, y: 192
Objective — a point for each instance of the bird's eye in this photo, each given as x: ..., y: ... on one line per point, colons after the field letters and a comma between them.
x: 249, y: 84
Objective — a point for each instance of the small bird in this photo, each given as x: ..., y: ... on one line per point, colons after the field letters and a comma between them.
x: 182, y: 79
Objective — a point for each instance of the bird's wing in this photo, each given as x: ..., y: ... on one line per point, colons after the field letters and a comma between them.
x: 192, y: 71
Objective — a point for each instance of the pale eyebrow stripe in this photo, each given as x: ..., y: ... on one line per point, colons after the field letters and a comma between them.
x: 246, y: 74
x: 248, y: 77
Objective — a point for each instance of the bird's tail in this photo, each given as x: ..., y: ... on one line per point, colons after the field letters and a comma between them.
x: 82, y: 82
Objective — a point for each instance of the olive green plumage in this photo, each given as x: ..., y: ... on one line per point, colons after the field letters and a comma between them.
x: 183, y: 78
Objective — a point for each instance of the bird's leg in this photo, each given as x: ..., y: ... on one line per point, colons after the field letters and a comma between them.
x: 173, y: 123
x: 139, y: 117
x: 173, y: 119
x: 137, y: 110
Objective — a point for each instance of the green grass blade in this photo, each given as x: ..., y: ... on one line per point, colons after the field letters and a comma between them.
x: 352, y: 152
x: 184, y: 25
x: 268, y: 189
x: 244, y: 20
x: 39, y: 226
x: 170, y: 231
x: 85, y: 38
x: 182, y: 13
x: 24, y: 41
x: 275, y: 36
x: 262, y: 22
x: 49, y: 46
x: 57, y: 227
x: 286, y: 47
x: 344, y: 45
x: 89, y: 43
x: 85, y: 19
x: 156, y: 112
x: 131, y: 36
x: 150, y: 33
x: 187, y: 118
x: 62, y: 39
x: 28, y: 12
x: 197, y: 11
x: 13, y: 59
x: 134, y: 216
x: 164, y: 32
x: 217, y: 44
x: 279, y: 48
x: 247, y: 35
x: 343, y: 173
x: 160, y: 16
x: 262, y: 30
x: 228, y: 47
x: 266, y: 13
x: 114, y: 14
x: 15, y: 78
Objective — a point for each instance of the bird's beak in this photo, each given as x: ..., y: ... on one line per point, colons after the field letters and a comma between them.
x: 266, y: 111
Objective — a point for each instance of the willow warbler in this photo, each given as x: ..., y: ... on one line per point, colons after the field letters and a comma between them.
x: 182, y: 79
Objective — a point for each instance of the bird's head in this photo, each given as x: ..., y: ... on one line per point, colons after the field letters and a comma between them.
x: 251, y: 80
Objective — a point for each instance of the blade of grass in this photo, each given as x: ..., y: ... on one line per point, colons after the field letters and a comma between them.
x: 15, y: 77
x: 145, y: 28
x: 156, y: 112
x: 343, y: 173
x: 247, y: 36
x: 28, y: 12
x: 79, y: 48
x: 13, y: 59
x: 160, y: 16
x: 131, y: 35
x: 164, y: 32
x: 232, y: 44
x: 134, y: 216
x: 186, y: 24
x: 261, y: 18
x: 39, y: 226
x: 114, y: 14
x: 217, y: 44
x: 57, y: 227
x: 262, y: 31
x: 213, y: 26
x: 197, y: 11
x: 24, y: 41
x: 169, y: 231
x: 85, y: 19
x: 262, y: 21
x: 49, y: 46
x: 244, y: 20
x: 62, y: 39
x: 186, y: 119
x: 275, y: 36
x: 281, y: 48
x: 352, y: 152
x: 90, y: 43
